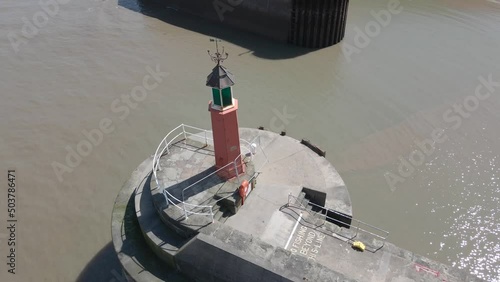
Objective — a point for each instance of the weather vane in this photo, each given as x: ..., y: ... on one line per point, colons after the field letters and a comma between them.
x: 217, y: 57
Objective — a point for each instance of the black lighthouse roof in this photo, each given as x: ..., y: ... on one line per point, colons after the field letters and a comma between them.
x: 220, y: 77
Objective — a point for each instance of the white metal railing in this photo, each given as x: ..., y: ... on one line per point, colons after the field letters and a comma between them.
x: 177, y: 134
x: 256, y: 143
x: 234, y: 163
x: 382, y: 234
x: 166, y: 142
x: 255, y: 175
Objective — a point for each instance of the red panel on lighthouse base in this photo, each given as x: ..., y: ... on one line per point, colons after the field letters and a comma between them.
x: 226, y: 140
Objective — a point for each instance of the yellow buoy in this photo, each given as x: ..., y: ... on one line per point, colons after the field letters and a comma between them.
x: 358, y: 245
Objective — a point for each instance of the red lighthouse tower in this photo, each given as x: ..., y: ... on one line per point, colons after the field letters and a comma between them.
x: 223, y: 110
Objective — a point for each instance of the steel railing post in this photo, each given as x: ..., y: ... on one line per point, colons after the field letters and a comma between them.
x: 212, y: 213
x: 236, y: 170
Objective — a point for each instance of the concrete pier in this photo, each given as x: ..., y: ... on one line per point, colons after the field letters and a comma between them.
x: 282, y: 232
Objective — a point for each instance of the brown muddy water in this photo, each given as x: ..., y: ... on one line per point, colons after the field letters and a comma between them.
x: 408, y: 114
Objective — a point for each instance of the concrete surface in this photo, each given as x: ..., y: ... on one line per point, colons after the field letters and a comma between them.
x: 139, y: 262
x: 270, y: 238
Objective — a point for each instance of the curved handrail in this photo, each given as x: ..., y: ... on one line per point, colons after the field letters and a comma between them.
x: 156, y: 164
x: 164, y: 145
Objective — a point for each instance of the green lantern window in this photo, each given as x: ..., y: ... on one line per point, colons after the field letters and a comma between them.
x: 216, y: 96
x: 222, y: 98
x: 227, y: 98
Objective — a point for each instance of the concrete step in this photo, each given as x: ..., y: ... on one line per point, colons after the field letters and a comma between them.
x: 226, y: 213
x: 330, y: 227
x: 218, y: 212
x: 301, y: 197
x: 163, y: 241
x: 221, y: 213
x: 313, y: 218
x: 152, y: 183
x: 305, y: 204
x: 309, y: 207
x: 320, y: 219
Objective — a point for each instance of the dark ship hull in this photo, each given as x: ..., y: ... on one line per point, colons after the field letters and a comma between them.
x: 305, y: 23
